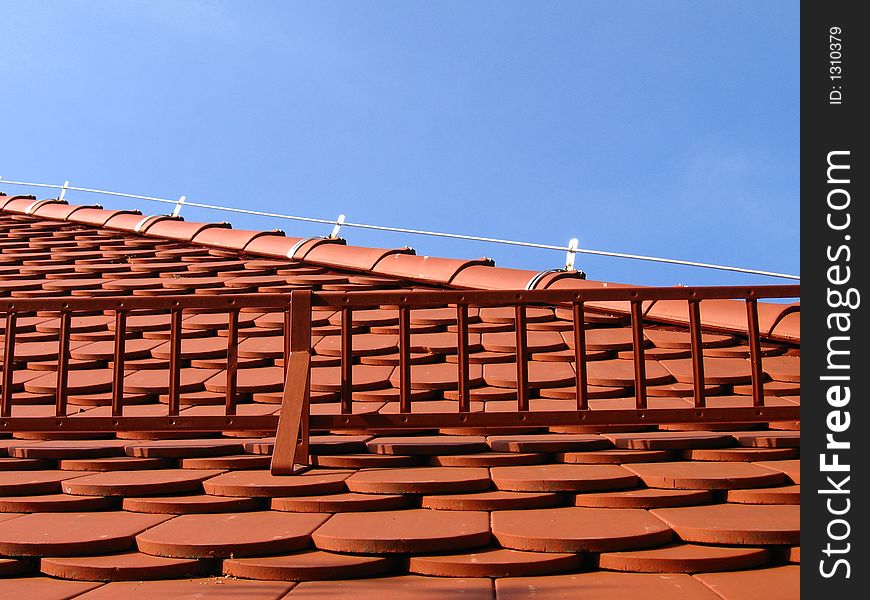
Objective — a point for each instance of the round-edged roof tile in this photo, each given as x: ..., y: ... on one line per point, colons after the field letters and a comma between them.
x: 68, y: 449
x: 132, y: 284
x: 768, y: 439
x: 696, y: 475
x: 541, y: 374
x: 26, y: 483
x: 343, y: 502
x: 364, y: 377
x: 125, y: 566
x: 54, y: 503
x: 184, y: 448
x: 484, y: 357
x: 190, y: 504
x: 156, y: 381
x: 309, y: 565
x: 740, y: 454
x: 262, y: 484
x: 492, y: 500
x: 227, y: 535
x: 213, y: 321
x: 427, y: 445
x: 442, y: 342
x: 494, y: 562
x: 403, y: 531
x: 105, y: 349
x: 369, y: 317
x: 547, y: 442
x: 656, y: 353
x: 120, y: 463
x: 592, y: 391
x: 105, y: 399
x: 364, y: 344
x: 391, y: 394
x: 681, y: 339
x: 489, y: 459
x: 32, y: 351
x: 419, y: 480
x: 620, y: 373
x: 87, y: 381
x: 683, y: 390
x: 739, y: 524
x: 716, y: 370
x: 668, y: 440
x: 174, y: 282
x: 438, y: 376
x: 613, y: 456
x: 684, y: 558
x: 440, y: 316
x: 785, y: 494
x: 563, y: 478
x: 771, y: 388
x: 227, y: 463
x: 72, y: 534
x: 263, y: 347
x: 537, y: 341
x: 139, y: 483
x: 361, y: 461
x: 644, y: 498
x: 249, y: 380
x: 604, y: 338
x: 191, y: 348
x: 507, y: 314
x: 574, y: 529
x: 416, y: 358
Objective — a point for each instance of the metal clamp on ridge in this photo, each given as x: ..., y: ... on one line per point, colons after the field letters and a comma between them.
x: 176, y: 212
x: 573, y: 244
x: 338, y: 223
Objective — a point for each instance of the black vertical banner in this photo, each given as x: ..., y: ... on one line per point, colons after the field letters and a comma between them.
x: 835, y: 300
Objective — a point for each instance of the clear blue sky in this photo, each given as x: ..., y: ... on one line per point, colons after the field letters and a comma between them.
x: 667, y: 128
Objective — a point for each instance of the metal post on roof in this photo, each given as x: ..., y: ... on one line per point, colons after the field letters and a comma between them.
x: 572, y: 254
x: 176, y: 212
x: 338, y: 223
x: 63, y: 190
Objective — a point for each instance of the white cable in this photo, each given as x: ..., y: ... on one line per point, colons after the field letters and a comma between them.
x: 472, y: 238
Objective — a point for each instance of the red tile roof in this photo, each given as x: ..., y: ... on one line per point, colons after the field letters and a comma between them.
x: 678, y: 510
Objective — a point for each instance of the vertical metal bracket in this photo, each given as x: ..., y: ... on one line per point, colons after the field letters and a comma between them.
x: 63, y: 189
x: 295, y: 402
x: 572, y: 254
x: 338, y: 223
x: 176, y: 212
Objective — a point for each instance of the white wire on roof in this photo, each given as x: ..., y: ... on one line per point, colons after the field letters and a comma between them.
x: 340, y: 222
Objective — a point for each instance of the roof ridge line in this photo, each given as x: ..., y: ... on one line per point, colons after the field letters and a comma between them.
x: 397, y: 263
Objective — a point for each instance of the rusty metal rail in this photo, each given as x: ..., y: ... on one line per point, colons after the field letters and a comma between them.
x: 296, y: 420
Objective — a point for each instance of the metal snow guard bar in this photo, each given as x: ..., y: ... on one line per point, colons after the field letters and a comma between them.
x: 296, y: 420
